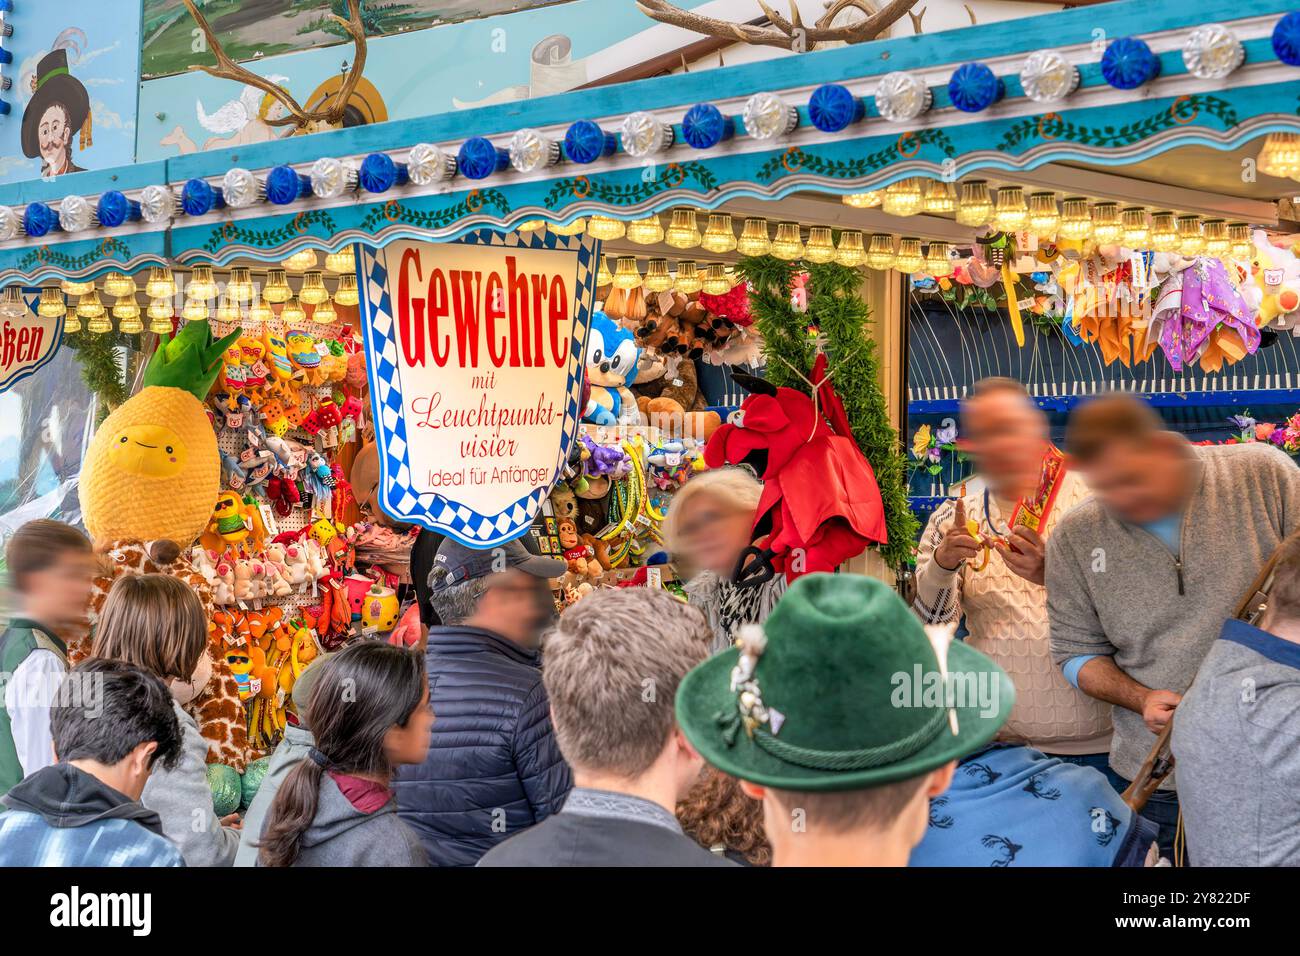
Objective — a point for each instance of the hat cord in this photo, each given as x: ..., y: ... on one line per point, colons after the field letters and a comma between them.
x: 862, y: 759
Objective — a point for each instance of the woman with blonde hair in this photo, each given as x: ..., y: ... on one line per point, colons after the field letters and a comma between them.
x: 157, y: 623
x: 707, y: 529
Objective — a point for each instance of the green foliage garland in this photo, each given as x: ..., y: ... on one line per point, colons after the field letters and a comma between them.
x: 843, y: 320
x: 101, y: 368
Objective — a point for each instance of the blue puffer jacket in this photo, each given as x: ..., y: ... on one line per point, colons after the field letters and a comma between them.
x: 493, y: 768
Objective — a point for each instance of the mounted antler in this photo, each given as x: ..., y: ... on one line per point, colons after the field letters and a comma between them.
x: 784, y: 33
x: 332, y: 114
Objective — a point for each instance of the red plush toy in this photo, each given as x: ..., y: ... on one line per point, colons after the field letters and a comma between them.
x: 820, y: 498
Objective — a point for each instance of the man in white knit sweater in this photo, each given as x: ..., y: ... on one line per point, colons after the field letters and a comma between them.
x: 1005, y: 603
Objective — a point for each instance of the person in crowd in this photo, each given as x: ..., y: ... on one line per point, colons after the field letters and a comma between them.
x: 1235, y: 733
x: 493, y: 767
x: 156, y: 622
x: 369, y: 713
x: 832, y: 714
x: 1004, y: 601
x: 708, y: 526
x: 613, y: 665
x: 292, y: 750
x: 51, y: 569
x: 113, y: 724
x: 1011, y: 805
x: 1141, y: 576
x: 720, y: 818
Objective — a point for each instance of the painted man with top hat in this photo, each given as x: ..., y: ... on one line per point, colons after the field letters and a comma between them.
x: 59, y: 107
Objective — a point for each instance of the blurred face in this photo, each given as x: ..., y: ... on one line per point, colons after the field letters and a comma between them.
x: 1141, y: 482
x: 713, y: 532
x: 518, y: 606
x: 59, y: 594
x: 1006, y: 436
x: 410, y: 744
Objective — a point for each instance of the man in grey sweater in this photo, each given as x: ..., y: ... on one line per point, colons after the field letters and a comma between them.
x: 1235, y: 736
x: 1141, y: 577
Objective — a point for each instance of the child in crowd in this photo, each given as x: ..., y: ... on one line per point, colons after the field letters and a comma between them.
x: 369, y: 713
x: 155, y: 622
x: 1235, y: 734
x: 51, y: 569
x: 113, y: 724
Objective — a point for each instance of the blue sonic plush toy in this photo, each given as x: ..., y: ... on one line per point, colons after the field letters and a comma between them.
x: 612, y: 356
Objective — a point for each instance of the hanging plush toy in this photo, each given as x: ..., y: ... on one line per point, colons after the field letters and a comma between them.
x: 820, y: 503
x: 612, y: 356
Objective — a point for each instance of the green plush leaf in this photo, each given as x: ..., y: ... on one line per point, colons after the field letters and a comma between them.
x: 189, y: 360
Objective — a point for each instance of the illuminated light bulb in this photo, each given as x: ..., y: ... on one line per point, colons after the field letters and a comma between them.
x: 195, y: 310
x: 1135, y: 228
x: 530, y: 151
x: 1280, y: 155
x: 880, y: 251
x: 426, y: 165
x: 626, y: 274
x: 788, y: 243
x: 719, y: 236
x: 89, y: 306
x: 51, y: 304
x: 1212, y: 51
x: 531, y: 225
x: 974, y: 207
x: 754, y: 239
x: 646, y: 231
x: 657, y: 278
x: 100, y: 324
x: 903, y: 198
x: 1164, y: 232
x: 1106, y: 224
x: 1191, y: 241
x: 688, y: 280
x: 1076, y: 221
x: 1010, y: 214
x: 602, y: 227
x: 716, y: 281
x: 1044, y: 217
x: 683, y: 231
x: 938, y: 197
x: 260, y: 311
x: 71, y: 323
x: 1239, y: 239
x: 346, y: 292
x: 821, y: 246
x: 313, y: 291
x: 938, y: 259
x: 332, y: 178
x: 850, y: 251
x: 767, y: 116
x: 301, y: 261
x: 575, y: 228
x: 291, y: 313
x: 324, y: 313
x: 1048, y: 76
x: 909, y: 258
x: 75, y: 214
x: 160, y: 316
x: 643, y: 134
x: 118, y: 284
x: 201, y: 285
x: 228, y: 311
x: 71, y: 287
x: 604, y: 276
x: 277, y: 287
x: 1216, y: 238
x: 158, y: 204
x: 11, y: 303
x: 240, y: 187
x: 161, y: 284
x: 240, y: 286
x: 344, y: 260
x: 901, y: 97
x: 867, y: 200
x: 127, y: 312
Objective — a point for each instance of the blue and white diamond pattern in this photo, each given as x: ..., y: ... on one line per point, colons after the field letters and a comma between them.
x: 430, y: 509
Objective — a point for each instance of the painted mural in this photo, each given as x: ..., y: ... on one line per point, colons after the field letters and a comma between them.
x: 250, y: 29
x: 73, y: 96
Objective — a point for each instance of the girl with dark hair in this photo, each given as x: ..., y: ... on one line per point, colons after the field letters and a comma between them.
x: 369, y: 713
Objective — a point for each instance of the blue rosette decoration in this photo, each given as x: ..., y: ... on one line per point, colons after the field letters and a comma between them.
x: 586, y: 142
x: 1129, y: 63
x: 832, y: 107
x: 974, y: 87
x: 704, y: 126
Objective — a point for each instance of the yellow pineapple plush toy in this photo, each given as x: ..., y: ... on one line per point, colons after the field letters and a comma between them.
x: 148, y: 484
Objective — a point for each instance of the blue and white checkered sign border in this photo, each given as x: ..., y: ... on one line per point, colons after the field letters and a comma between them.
x: 430, y: 509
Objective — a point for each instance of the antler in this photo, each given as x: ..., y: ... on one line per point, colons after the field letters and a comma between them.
x: 228, y: 69
x: 783, y: 32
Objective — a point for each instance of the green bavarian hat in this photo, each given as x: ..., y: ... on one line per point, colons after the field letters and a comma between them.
x: 840, y: 689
